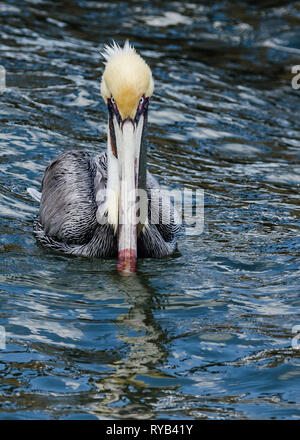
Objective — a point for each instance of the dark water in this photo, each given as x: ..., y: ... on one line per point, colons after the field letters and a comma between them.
x: 206, y: 333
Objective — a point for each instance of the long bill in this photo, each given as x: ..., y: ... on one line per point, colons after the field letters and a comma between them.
x: 128, y: 137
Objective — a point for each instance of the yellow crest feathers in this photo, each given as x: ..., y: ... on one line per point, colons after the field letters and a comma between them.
x: 127, y: 77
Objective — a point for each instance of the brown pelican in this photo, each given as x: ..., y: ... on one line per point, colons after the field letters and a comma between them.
x: 86, y: 203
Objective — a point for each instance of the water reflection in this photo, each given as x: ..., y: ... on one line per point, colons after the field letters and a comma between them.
x: 127, y: 391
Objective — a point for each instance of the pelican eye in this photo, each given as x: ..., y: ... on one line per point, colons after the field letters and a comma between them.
x: 113, y: 109
x: 142, y: 100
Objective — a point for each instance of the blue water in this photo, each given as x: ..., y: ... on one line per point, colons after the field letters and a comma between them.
x: 208, y: 332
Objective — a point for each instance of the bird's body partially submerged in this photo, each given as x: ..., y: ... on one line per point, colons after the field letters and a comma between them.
x: 89, y: 204
x: 68, y: 220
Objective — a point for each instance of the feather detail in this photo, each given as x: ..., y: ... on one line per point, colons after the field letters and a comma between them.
x: 109, y: 51
x: 36, y: 195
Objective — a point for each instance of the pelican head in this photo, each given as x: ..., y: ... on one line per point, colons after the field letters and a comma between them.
x: 126, y: 88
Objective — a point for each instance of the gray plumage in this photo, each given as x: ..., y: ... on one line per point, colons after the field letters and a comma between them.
x: 67, y: 220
